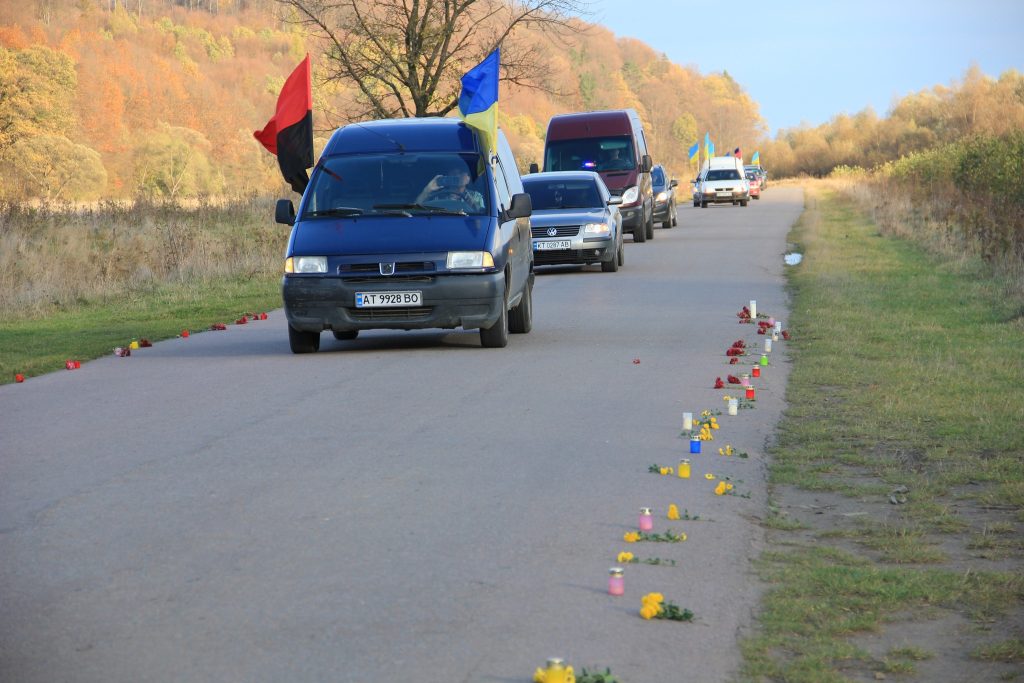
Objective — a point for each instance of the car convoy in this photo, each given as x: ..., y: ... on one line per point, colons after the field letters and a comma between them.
x: 404, y: 225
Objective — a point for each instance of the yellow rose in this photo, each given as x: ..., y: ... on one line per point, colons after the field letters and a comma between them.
x: 657, y: 597
x: 728, y: 487
x: 625, y: 557
x: 709, y: 476
x: 714, y: 425
x: 721, y: 452
x: 721, y: 488
x: 540, y: 676
x: 631, y: 537
x: 648, y: 612
x: 682, y: 537
x: 664, y: 470
x: 673, y: 512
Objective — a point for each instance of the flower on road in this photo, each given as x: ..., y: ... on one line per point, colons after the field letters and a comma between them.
x: 709, y: 476
x: 720, y: 490
x: 625, y: 557
x: 631, y: 537
x: 673, y: 512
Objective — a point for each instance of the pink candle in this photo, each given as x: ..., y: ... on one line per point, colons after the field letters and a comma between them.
x: 646, y: 521
x: 771, y: 321
x: 616, y: 582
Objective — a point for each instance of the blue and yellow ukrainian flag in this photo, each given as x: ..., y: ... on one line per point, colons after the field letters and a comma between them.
x: 694, y: 151
x: 753, y: 159
x: 708, y: 147
x: 478, y: 102
x: 711, y: 149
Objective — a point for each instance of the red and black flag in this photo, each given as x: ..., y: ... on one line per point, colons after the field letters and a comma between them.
x: 289, y: 134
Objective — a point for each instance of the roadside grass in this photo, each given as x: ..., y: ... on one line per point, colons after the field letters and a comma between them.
x: 1011, y: 650
x: 906, y: 373
x: 34, y: 345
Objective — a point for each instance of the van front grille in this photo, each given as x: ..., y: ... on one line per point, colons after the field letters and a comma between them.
x: 409, y: 313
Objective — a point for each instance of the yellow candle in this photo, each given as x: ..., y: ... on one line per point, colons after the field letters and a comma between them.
x: 684, y: 469
x: 134, y: 345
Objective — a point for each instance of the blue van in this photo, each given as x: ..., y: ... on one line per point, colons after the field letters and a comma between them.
x: 405, y: 225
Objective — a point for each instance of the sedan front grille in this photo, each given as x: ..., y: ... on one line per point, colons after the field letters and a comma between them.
x: 409, y: 313
x: 564, y: 257
x: 568, y: 231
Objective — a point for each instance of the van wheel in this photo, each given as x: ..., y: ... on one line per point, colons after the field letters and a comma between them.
x: 703, y: 205
x: 757, y: 196
x: 696, y: 203
x: 303, y: 342
x: 743, y: 202
x: 496, y: 336
x: 650, y: 227
x: 346, y: 335
x: 520, y: 318
x: 640, y: 233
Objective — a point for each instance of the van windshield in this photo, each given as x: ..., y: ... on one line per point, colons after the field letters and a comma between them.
x: 398, y: 185
x: 724, y: 174
x: 591, y: 154
x: 563, y: 194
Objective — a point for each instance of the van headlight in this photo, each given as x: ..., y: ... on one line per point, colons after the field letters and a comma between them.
x: 599, y: 229
x: 469, y: 259
x: 305, y: 264
x: 631, y: 195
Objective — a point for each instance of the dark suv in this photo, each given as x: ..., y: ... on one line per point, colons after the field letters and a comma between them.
x: 664, y: 190
x: 405, y: 225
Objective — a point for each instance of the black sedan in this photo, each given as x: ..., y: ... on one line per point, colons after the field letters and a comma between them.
x: 575, y: 220
x: 664, y: 197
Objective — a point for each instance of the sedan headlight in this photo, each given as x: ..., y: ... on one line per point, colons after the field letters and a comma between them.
x: 599, y: 229
x: 469, y: 259
x: 631, y: 195
x: 662, y: 196
x: 305, y: 264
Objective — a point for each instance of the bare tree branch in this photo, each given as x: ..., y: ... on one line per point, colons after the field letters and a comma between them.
x: 405, y: 57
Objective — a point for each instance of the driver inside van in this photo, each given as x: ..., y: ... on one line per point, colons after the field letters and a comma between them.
x: 614, y: 163
x: 460, y: 192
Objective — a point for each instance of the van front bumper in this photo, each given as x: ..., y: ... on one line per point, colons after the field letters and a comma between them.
x: 471, y: 301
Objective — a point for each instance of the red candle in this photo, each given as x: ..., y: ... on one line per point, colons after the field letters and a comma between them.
x: 184, y: 334
x: 78, y: 365
x: 750, y: 392
x: 756, y: 371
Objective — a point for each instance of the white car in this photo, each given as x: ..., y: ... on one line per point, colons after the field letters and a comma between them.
x: 721, y: 181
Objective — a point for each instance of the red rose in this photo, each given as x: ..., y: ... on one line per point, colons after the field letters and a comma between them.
x: 734, y: 361
x: 785, y: 335
x: 719, y: 384
x: 733, y: 379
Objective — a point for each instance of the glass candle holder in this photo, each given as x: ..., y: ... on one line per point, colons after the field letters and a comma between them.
x: 767, y: 345
x: 734, y: 406
x: 555, y: 671
x: 19, y: 378
x: 646, y: 520
x: 753, y: 309
x: 695, y: 444
x: 616, y: 582
x: 745, y: 380
x: 184, y: 334
x: 778, y: 327
x: 78, y: 365
x: 756, y: 372
x: 687, y: 421
x: 764, y: 360
x: 771, y: 320
x: 684, y: 469
x: 775, y: 336
x: 134, y: 345
x: 750, y: 392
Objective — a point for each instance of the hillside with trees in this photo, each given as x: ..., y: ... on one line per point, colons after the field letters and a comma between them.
x: 160, y: 99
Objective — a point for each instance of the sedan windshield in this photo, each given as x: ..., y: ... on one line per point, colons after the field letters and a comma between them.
x: 658, y: 176
x: 398, y: 185
x: 724, y: 174
x: 563, y: 194
x: 591, y: 154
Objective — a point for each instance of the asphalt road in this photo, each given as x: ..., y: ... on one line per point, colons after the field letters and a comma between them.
x: 407, y: 506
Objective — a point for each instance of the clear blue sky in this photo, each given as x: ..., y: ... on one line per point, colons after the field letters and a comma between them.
x: 805, y: 61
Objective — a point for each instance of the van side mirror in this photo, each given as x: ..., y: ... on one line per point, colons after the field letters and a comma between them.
x: 521, y: 206
x: 646, y: 164
x: 693, y: 182
x: 284, y: 212
x: 614, y: 201
x: 674, y: 183
x: 534, y: 168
